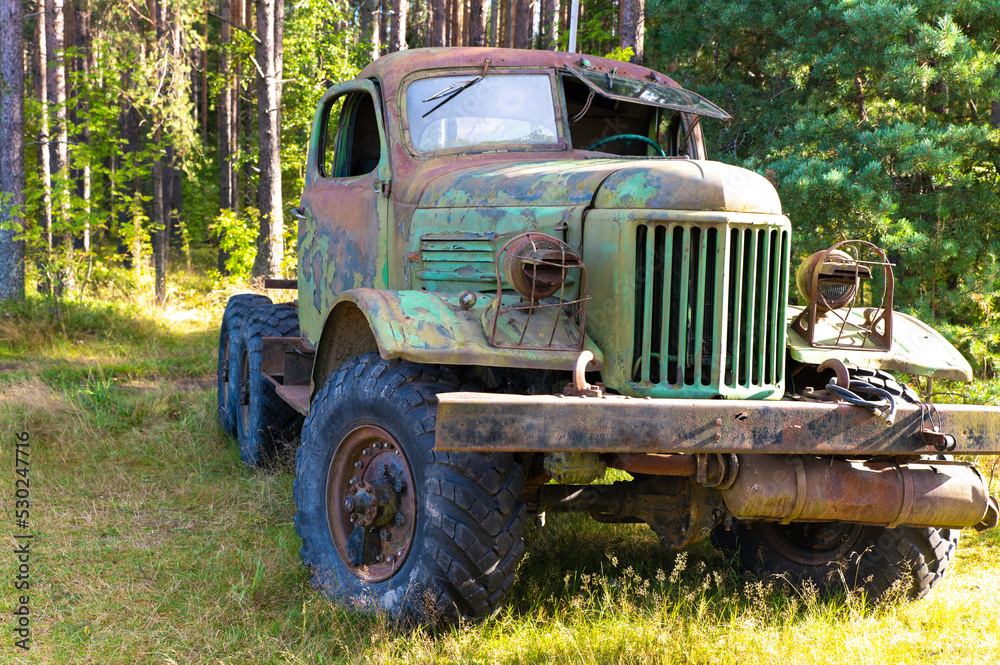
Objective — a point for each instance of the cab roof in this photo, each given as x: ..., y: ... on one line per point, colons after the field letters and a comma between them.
x: 391, y: 68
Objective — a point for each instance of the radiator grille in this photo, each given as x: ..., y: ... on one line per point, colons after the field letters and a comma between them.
x: 709, y: 308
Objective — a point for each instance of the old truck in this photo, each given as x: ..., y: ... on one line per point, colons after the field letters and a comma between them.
x: 518, y: 269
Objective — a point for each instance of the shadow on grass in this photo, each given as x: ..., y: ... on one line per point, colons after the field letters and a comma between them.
x: 575, y: 564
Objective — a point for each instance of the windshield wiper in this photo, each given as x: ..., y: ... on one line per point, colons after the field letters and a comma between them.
x: 454, y: 90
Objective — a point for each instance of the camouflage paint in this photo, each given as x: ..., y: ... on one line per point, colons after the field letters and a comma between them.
x: 434, y: 328
x: 342, y: 238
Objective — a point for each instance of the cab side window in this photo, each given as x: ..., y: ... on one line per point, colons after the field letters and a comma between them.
x: 593, y: 117
x: 673, y: 130
x: 351, y: 143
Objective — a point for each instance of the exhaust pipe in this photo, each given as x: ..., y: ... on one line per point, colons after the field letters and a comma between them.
x: 920, y: 493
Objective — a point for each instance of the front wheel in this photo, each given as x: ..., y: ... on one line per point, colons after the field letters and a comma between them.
x: 833, y: 555
x: 387, y: 523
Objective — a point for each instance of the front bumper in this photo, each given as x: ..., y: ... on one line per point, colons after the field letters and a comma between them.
x: 554, y: 423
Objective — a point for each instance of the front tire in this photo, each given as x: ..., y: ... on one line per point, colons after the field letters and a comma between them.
x: 866, y: 559
x: 388, y: 525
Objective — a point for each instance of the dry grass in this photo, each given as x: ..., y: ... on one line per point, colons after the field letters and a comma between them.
x: 155, y: 545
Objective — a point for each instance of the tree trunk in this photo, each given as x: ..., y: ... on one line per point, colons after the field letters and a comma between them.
x: 11, y: 149
x: 383, y: 25
x: 397, y: 42
x: 243, y: 134
x: 44, y: 153
x: 82, y: 66
x: 227, y: 121
x: 368, y: 25
x: 439, y: 27
x: 466, y: 12
x: 550, y: 24
x: 633, y: 26
x: 454, y: 30
x: 160, y: 214
x: 59, y: 150
x: 564, y: 20
x: 203, y: 78
x: 270, y: 241
x: 494, y: 21
x: 508, y: 7
x: 477, y: 23
x: 523, y: 23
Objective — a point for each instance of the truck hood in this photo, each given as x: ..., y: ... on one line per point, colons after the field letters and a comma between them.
x: 665, y: 184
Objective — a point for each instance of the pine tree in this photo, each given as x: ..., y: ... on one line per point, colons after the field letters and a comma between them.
x: 11, y: 150
x: 874, y: 120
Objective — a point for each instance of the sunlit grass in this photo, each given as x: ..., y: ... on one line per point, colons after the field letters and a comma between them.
x: 154, y: 544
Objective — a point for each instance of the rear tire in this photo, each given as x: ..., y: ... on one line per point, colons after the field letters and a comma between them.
x: 852, y: 557
x: 263, y: 419
x: 452, y: 525
x: 831, y: 556
x: 228, y: 391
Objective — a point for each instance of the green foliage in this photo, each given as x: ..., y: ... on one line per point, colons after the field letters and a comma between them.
x: 238, y: 238
x: 315, y: 55
x: 621, y: 54
x: 872, y: 118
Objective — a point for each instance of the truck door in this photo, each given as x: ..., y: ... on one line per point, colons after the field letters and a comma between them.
x: 342, y: 227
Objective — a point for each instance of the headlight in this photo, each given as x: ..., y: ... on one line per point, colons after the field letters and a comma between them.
x: 830, y: 279
x: 536, y: 265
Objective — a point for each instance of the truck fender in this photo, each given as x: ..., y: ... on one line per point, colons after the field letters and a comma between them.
x: 423, y: 327
x: 916, y: 349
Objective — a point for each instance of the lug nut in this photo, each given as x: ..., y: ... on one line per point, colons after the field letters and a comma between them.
x: 383, y: 534
x: 381, y: 469
x: 398, y: 486
x: 354, y: 481
x: 400, y: 518
x: 378, y: 558
x: 349, y: 504
x: 390, y: 559
x: 399, y: 553
x: 357, y: 465
x: 366, y: 452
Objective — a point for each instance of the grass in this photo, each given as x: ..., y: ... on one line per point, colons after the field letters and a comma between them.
x: 154, y: 544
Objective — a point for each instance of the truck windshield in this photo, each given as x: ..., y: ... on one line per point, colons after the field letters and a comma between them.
x: 644, y: 92
x: 499, y: 110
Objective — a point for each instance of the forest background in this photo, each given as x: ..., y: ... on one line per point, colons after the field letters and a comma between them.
x: 154, y: 127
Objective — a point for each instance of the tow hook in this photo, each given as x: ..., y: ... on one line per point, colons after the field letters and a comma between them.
x: 580, y: 387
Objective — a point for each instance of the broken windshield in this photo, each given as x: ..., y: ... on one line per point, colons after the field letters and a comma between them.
x: 647, y: 92
x: 495, y: 110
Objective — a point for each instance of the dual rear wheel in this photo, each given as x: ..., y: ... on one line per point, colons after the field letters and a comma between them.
x: 248, y: 405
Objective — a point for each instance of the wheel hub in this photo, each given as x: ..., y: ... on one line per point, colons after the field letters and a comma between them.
x: 811, y: 543
x: 371, y: 504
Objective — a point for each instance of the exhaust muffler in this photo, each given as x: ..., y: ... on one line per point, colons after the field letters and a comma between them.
x: 919, y: 493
